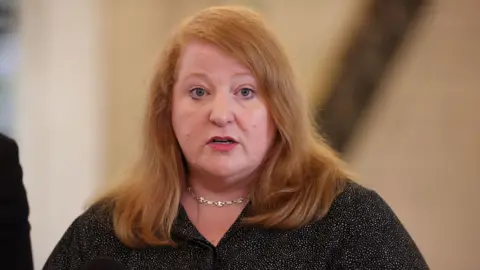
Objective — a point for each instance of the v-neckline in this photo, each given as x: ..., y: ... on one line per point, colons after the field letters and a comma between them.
x: 185, y: 228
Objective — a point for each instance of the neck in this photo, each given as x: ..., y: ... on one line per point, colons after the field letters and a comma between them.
x: 221, y: 189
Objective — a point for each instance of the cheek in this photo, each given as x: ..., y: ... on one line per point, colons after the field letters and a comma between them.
x: 182, y: 121
x: 261, y: 125
x: 188, y: 124
x: 183, y: 133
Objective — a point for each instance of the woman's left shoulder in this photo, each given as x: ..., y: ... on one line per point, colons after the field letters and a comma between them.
x: 357, y: 200
x: 363, y: 210
x: 372, y: 236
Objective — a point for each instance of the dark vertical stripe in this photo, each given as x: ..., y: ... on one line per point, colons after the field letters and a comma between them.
x: 363, y: 66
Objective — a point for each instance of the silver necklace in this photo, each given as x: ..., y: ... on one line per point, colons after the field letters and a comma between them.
x: 202, y: 200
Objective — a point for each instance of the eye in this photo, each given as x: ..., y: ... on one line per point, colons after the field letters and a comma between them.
x: 246, y: 92
x: 197, y: 92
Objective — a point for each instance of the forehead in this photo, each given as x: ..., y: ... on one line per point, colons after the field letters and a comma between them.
x: 198, y: 56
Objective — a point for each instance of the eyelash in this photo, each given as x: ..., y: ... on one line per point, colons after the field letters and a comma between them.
x: 250, y: 89
x: 192, y: 92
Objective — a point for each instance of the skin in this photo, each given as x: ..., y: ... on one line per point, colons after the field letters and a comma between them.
x: 216, y: 95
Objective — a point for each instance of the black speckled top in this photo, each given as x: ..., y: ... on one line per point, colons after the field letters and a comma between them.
x: 359, y: 232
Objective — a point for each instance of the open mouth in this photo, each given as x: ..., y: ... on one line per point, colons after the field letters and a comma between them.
x: 222, y: 140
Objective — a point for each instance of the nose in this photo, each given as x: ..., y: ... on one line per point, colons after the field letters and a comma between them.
x: 221, y: 112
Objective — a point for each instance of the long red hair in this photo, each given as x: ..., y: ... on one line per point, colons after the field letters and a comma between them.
x: 300, y: 176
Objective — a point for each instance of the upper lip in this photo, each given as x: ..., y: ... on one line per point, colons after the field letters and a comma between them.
x: 226, y: 138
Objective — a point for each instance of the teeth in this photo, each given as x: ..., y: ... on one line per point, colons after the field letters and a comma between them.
x: 223, y: 141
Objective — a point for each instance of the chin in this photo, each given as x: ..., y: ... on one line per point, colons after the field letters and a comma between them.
x: 224, y: 166
x: 221, y: 172
x: 224, y: 171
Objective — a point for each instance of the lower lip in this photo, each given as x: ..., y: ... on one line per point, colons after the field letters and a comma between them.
x: 222, y: 147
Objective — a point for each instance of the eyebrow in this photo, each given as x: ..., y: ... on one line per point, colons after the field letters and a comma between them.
x: 205, y: 75
x: 197, y: 75
x: 244, y: 74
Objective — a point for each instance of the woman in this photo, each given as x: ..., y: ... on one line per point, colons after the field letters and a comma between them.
x: 233, y: 175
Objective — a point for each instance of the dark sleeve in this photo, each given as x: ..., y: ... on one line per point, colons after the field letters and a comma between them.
x: 15, y: 245
x: 376, y: 239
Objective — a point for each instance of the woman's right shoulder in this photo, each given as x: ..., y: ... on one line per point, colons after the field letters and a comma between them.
x: 98, y: 217
x: 87, y: 237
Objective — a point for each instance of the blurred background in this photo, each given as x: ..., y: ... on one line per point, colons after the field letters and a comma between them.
x: 394, y: 84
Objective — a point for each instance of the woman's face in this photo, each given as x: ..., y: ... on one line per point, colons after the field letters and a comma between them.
x: 219, y: 118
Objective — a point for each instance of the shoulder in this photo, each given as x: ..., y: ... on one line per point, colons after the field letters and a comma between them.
x: 8, y: 148
x: 4, y: 140
x: 98, y: 217
x: 357, y: 201
x: 11, y: 174
x: 87, y: 237
x: 95, y: 223
x: 362, y: 210
x: 370, y: 233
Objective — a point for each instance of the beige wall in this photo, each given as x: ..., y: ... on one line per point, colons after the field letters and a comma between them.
x: 420, y: 148
x: 59, y: 114
x: 132, y: 33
